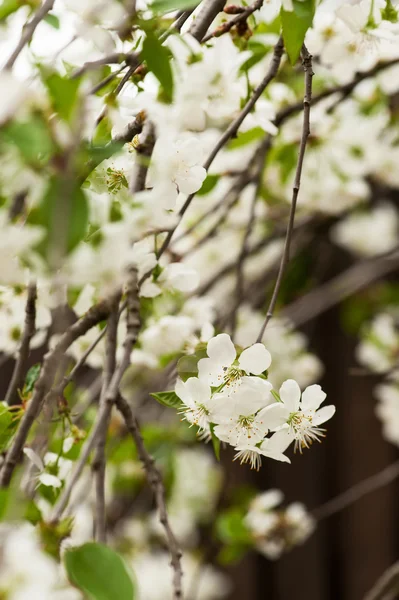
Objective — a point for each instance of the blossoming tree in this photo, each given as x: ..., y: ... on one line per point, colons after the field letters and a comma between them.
x: 166, y: 168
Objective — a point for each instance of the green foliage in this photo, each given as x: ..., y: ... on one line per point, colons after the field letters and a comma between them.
x: 231, y: 530
x: 32, y: 138
x: 157, y: 58
x: 77, y: 214
x: 389, y: 12
x: 63, y: 92
x: 245, y: 138
x: 52, y: 535
x: 215, y: 442
x: 8, y: 7
x: 208, y: 185
x: 164, y: 6
x: 169, y: 399
x: 295, y: 25
x: 99, y: 572
x: 9, y: 419
x: 52, y: 20
x: 31, y: 378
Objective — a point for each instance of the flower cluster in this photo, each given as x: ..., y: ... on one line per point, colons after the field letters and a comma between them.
x: 277, y: 530
x: 232, y: 399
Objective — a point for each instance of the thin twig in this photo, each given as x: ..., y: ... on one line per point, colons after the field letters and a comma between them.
x: 369, y: 485
x: 98, y: 466
x: 28, y: 31
x: 17, y: 378
x: 155, y: 480
x: 307, y: 67
x: 232, y: 130
x: 94, y: 315
x: 387, y: 586
x: 356, y: 278
x: 132, y: 331
x: 228, y: 25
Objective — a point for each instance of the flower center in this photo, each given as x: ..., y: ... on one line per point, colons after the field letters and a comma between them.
x: 305, y: 432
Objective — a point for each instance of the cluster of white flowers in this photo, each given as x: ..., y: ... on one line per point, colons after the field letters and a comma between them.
x: 232, y: 400
x: 378, y: 351
x: 276, y: 530
x: 379, y: 346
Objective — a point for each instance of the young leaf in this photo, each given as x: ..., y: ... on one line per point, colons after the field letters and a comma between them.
x: 78, y: 214
x: 9, y: 419
x: 31, y: 378
x: 164, y: 6
x: 52, y: 20
x: 169, y: 399
x: 295, y: 25
x: 157, y: 58
x: 99, y: 572
x: 32, y: 138
x: 64, y: 93
x: 8, y: 7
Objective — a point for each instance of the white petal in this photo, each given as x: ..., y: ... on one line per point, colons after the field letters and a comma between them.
x: 290, y: 394
x: 255, y: 359
x: 35, y: 458
x: 280, y: 441
x: 279, y: 456
x: 312, y: 397
x: 221, y: 349
x: 324, y: 414
x: 210, y: 372
x: 50, y: 480
x: 275, y: 415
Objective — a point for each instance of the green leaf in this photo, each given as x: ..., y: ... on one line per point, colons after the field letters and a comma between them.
x: 208, y: 185
x: 247, y: 137
x: 32, y: 138
x: 78, y: 214
x: 9, y: 419
x: 295, y: 25
x: 231, y: 528
x: 169, y: 399
x: 157, y: 58
x: 52, y: 20
x: 164, y: 6
x: 31, y: 378
x: 99, y: 572
x: 215, y: 442
x: 63, y: 93
x: 8, y: 7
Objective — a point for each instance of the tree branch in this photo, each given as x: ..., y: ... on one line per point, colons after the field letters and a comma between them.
x: 97, y: 313
x: 342, y: 286
x: 155, y: 480
x: 17, y: 378
x: 132, y: 331
x: 387, y: 586
x: 210, y: 9
x: 98, y: 466
x: 307, y: 67
x: 228, y: 25
x: 28, y: 31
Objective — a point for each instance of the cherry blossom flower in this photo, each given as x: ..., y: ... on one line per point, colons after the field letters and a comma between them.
x: 242, y: 418
x: 196, y: 398
x: 222, y: 368
x: 302, y: 413
x: 273, y: 447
